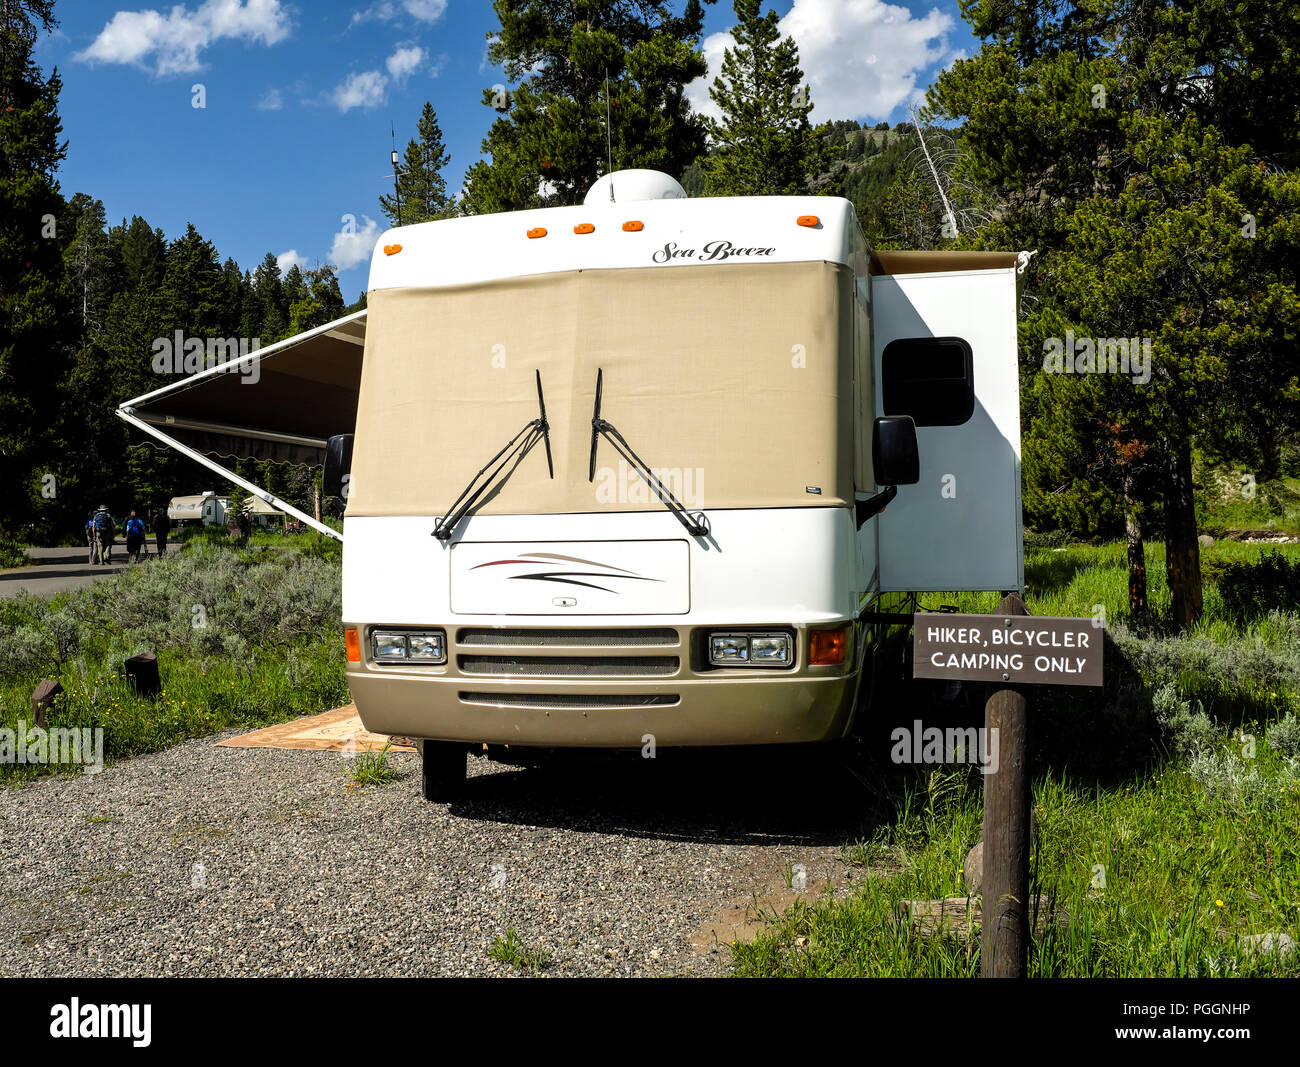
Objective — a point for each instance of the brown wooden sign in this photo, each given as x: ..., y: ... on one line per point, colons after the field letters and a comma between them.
x: 1016, y: 649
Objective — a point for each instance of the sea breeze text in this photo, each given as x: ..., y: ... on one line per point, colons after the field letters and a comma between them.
x: 711, y: 252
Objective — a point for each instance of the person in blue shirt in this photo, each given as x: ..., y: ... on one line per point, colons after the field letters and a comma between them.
x: 134, y: 537
x: 91, y: 540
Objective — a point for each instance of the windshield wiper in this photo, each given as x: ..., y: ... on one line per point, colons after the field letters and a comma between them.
x: 696, y: 522
x: 536, y: 428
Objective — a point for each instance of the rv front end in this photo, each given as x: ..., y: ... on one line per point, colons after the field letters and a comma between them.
x: 630, y: 633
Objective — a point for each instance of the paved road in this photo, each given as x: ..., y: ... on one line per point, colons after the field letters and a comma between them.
x: 57, y: 570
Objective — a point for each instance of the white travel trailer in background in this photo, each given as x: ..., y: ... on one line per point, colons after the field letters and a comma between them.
x: 618, y: 472
x: 204, y: 509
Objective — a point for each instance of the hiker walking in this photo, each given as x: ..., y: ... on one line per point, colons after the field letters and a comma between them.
x: 91, y: 539
x: 162, y: 525
x: 104, y: 530
x: 134, y: 537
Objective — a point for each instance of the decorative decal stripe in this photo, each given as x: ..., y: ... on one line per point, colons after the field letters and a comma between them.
x: 567, y: 576
x: 576, y: 559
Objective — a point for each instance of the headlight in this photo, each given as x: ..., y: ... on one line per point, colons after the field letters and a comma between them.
x: 408, y: 646
x: 729, y: 648
x: 388, y: 646
x: 770, y: 649
x: 751, y: 650
x: 426, y: 647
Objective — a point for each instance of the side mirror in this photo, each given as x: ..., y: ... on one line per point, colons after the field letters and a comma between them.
x: 894, y: 456
x: 338, y: 464
x: 895, y: 461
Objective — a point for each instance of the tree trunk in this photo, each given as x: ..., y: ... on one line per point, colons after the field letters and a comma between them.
x: 1137, y: 562
x: 1182, y: 550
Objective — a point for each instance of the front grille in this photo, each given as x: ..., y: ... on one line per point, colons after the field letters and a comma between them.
x: 570, y: 700
x: 570, y: 666
x: 519, y: 637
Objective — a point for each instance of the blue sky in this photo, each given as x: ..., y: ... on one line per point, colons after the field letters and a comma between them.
x: 293, y: 135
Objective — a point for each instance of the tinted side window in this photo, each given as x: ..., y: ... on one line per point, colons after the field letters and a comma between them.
x: 930, y: 378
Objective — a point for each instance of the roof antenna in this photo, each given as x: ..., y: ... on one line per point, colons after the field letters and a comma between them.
x: 609, y: 151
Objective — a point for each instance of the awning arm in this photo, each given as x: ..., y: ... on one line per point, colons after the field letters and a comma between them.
x: 128, y: 414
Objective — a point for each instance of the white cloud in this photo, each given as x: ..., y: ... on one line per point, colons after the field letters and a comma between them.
x: 353, y: 246
x: 272, y: 100
x: 288, y: 259
x: 366, y: 89
x: 388, y: 11
x: 175, y: 40
x: 860, y: 58
x: 404, y: 62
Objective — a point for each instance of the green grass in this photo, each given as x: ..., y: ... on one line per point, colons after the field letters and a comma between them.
x: 373, y: 768
x: 512, y: 950
x: 1198, y: 847
x: 270, y: 649
x: 1076, y: 580
x: 1186, y: 876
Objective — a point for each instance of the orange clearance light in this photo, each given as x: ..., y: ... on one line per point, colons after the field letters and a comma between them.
x: 584, y: 227
x: 808, y: 220
x: 354, y: 645
x: 828, y: 647
x: 633, y: 226
x: 537, y: 231
x: 392, y: 250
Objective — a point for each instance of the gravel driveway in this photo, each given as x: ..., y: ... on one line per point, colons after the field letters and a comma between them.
x: 219, y: 861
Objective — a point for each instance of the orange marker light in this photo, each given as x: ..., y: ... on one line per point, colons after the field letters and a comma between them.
x: 392, y: 250
x: 828, y: 647
x: 537, y: 231
x: 354, y: 645
x: 633, y: 226
x: 584, y: 227
x: 808, y: 220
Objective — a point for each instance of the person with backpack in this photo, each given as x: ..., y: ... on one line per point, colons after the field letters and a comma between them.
x: 162, y: 525
x: 104, y: 530
x: 134, y: 537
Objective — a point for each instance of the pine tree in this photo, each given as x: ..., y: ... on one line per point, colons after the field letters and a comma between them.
x: 268, y: 295
x: 421, y: 187
x: 320, y: 302
x: 602, y: 84
x: 1122, y: 141
x: 765, y: 145
x: 36, y: 327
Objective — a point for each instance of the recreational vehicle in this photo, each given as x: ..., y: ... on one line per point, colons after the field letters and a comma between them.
x: 641, y: 470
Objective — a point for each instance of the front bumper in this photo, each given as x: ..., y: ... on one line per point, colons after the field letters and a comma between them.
x: 685, y: 705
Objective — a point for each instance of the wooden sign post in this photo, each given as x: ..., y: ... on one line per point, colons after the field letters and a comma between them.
x: 1010, y: 649
x: 1004, y: 934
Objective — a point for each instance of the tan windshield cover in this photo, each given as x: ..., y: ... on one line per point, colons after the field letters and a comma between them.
x: 733, y: 382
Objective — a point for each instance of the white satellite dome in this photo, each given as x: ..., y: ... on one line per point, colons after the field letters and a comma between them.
x: 623, y: 186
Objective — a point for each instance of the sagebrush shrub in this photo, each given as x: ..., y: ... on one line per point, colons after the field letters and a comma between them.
x: 209, y: 601
x: 1229, y: 778
x: 1187, y: 732
x: 1284, y: 737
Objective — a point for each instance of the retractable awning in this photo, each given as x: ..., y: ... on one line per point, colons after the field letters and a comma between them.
x: 281, y: 402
